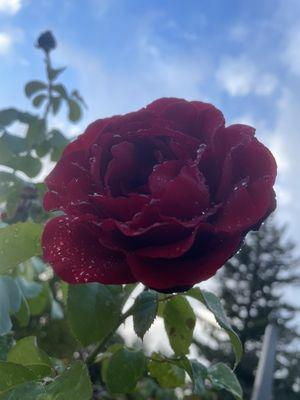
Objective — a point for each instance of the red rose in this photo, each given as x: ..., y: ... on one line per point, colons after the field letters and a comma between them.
x: 164, y: 196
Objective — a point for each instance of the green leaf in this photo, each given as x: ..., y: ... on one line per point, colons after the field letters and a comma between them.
x: 38, y: 304
x: 9, y: 183
x: 29, y: 165
x: 33, y: 87
x: 74, y: 110
x: 179, y: 321
x: 38, y: 100
x: 61, y: 90
x: 27, y: 353
x: 25, y: 237
x: 94, y: 311
x: 36, y: 132
x: 167, y: 374
x: 12, y: 374
x: 57, y: 139
x: 16, y: 144
x: 26, y: 391
x: 144, y: 313
x: 106, y: 356
x: 6, y: 341
x: 42, y: 148
x: 222, y: 377
x: 53, y: 73
x: 124, y: 370
x: 23, y: 315
x: 55, y: 103
x: 8, y: 116
x: 198, y: 375
x: 214, y: 305
x: 74, y: 384
x: 10, y: 302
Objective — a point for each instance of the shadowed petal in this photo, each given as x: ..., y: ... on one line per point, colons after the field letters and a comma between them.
x: 77, y: 256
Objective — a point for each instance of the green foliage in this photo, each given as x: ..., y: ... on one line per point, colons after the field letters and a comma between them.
x: 72, y: 384
x: 23, y: 236
x: 124, y: 369
x: 98, y: 315
x: 222, y: 377
x: 27, y: 353
x: 179, y: 319
x: 144, y: 313
x: 10, y: 302
x: 167, y: 374
x: 34, y: 87
x: 214, y: 305
x: 12, y: 374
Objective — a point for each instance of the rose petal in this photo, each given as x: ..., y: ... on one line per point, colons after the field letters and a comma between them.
x: 255, y: 161
x: 162, y: 174
x: 246, y: 206
x: 186, y: 196
x: 121, y: 169
x: 120, y: 208
x: 228, y: 138
x: 70, y: 166
x: 159, y: 106
x: 84, y: 141
x: 163, y: 274
x: 77, y: 256
x: 209, y: 120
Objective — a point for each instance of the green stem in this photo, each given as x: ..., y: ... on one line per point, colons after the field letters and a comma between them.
x: 101, y: 346
x: 48, y: 66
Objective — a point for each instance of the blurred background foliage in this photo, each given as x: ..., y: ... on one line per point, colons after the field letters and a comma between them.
x: 60, y: 342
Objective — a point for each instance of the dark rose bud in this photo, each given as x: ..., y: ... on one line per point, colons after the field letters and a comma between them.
x: 46, y: 41
x: 162, y: 196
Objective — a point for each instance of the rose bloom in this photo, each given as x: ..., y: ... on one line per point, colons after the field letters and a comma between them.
x: 162, y: 196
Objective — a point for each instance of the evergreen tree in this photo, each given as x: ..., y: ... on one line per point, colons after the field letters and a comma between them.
x: 253, y: 286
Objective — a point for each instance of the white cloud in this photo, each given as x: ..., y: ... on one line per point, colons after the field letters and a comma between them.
x: 5, y: 43
x: 240, y: 77
x: 291, y: 55
x: 10, y: 6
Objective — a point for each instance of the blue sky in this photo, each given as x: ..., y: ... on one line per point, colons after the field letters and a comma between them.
x: 243, y: 56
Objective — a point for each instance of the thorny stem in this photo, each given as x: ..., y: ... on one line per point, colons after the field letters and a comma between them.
x: 101, y: 346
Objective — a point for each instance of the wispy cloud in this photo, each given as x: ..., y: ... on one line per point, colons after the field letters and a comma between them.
x: 10, y: 6
x: 5, y: 43
x: 239, y: 76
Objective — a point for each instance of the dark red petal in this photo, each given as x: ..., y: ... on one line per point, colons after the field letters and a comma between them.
x: 246, y: 206
x: 122, y: 168
x: 120, y: 208
x: 209, y: 120
x: 171, y: 250
x: 228, y: 138
x: 77, y: 256
x: 159, y: 106
x: 183, y: 271
x: 53, y: 201
x: 84, y: 141
x: 70, y: 166
x: 162, y: 174
x: 186, y: 196
x: 255, y: 161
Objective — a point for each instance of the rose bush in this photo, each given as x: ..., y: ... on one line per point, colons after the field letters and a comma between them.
x: 163, y: 196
